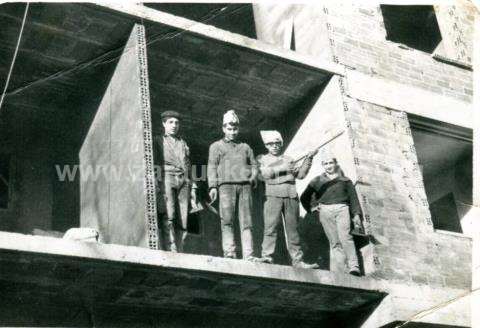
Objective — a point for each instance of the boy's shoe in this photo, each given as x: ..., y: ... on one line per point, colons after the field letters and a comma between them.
x: 253, y: 259
x: 303, y: 265
x: 355, y: 272
x: 266, y: 259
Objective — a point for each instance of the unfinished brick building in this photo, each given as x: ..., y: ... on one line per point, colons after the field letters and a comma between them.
x: 390, y: 85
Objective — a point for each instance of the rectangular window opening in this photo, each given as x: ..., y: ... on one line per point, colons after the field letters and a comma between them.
x: 444, y: 154
x: 413, y: 26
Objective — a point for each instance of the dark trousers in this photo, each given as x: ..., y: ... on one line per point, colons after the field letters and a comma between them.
x: 231, y: 198
x: 173, y: 202
x: 285, y: 210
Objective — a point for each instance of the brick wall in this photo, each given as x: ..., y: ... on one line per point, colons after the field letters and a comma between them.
x: 357, y: 39
x: 395, y: 203
x: 389, y: 181
x: 359, y: 42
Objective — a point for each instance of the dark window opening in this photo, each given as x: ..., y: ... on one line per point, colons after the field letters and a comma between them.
x: 444, y: 214
x: 414, y: 26
x: 4, y: 181
x: 444, y: 153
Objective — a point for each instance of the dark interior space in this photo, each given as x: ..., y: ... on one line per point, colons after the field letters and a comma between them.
x: 62, y: 71
x: 5, y: 183
x: 445, y: 215
x: 444, y: 153
x: 233, y: 17
x: 414, y: 26
x: 60, y: 74
x: 203, y: 78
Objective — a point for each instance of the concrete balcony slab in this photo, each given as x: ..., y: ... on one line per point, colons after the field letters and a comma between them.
x: 63, y: 273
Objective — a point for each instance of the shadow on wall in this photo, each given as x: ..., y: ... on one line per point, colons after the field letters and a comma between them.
x: 314, y: 241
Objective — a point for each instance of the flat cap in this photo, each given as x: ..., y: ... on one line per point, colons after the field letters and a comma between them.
x: 170, y: 113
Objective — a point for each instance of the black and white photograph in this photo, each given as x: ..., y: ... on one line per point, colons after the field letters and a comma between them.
x: 266, y: 164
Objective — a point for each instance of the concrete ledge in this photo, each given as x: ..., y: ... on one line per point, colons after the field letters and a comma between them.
x: 410, y: 99
x: 57, y: 273
x: 224, y: 36
x: 144, y: 256
x: 60, y: 273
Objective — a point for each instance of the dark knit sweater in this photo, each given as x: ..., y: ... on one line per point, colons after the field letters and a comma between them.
x: 322, y: 190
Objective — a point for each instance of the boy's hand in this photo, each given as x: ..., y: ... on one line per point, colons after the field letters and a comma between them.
x: 193, y: 196
x: 357, y: 223
x: 288, y: 167
x: 312, y: 153
x: 213, y: 193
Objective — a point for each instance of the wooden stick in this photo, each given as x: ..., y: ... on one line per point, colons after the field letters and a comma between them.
x: 337, y: 134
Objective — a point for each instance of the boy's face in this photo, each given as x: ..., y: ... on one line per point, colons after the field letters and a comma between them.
x: 171, y: 126
x: 330, y: 165
x: 231, y: 132
x: 274, y: 148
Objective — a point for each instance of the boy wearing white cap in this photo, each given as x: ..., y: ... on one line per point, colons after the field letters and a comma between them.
x: 232, y: 170
x: 279, y: 173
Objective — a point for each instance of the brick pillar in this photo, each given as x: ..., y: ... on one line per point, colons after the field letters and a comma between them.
x: 391, y: 186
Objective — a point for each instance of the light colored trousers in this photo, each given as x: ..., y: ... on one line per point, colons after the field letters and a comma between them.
x: 236, y: 198
x: 335, y: 219
x: 274, y: 208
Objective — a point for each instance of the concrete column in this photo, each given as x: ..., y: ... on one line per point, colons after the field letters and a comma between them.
x: 118, y: 196
x: 325, y: 120
x: 275, y: 24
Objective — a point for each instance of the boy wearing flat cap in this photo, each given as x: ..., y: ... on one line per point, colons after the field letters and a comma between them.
x: 174, y: 185
x: 281, y: 199
x: 333, y: 198
x: 232, y: 171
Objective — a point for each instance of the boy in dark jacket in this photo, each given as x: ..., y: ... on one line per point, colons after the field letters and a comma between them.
x: 335, y: 200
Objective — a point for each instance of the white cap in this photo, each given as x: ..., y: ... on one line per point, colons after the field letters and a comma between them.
x: 230, y: 118
x: 271, y: 136
x: 327, y: 154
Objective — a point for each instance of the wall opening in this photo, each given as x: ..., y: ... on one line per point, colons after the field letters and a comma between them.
x: 444, y: 154
x: 414, y: 26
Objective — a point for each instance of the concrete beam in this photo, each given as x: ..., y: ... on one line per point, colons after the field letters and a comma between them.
x: 409, y: 99
x: 224, y: 36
